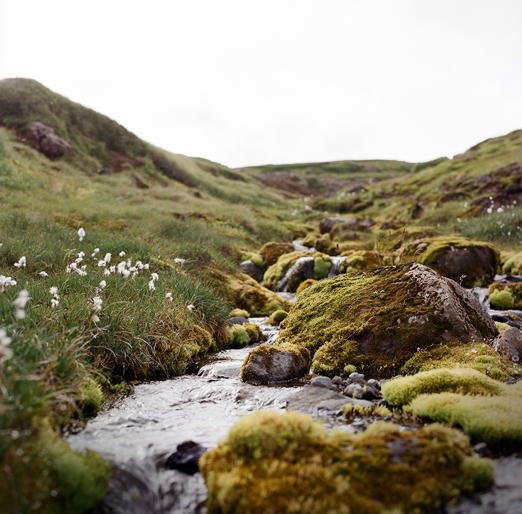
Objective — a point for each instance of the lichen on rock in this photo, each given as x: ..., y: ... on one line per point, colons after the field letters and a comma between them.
x: 383, y: 316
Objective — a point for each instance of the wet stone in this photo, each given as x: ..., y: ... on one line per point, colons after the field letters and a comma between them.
x: 186, y: 457
x: 322, y: 382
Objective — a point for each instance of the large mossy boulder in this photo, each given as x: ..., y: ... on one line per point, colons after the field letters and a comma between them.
x: 377, y: 319
x: 463, y: 260
x: 272, y: 251
x: 260, y: 301
x: 269, y: 365
x: 285, y: 463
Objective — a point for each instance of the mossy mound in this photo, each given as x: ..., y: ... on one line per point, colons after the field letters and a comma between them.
x: 322, y: 243
x: 402, y: 391
x: 272, y: 462
x: 255, y: 258
x: 349, y: 230
x: 331, y: 358
x: 277, y: 316
x: 91, y: 397
x: 272, y: 251
x: 463, y: 260
x: 511, y: 263
x: 254, y: 331
x: 239, y: 313
x: 276, y: 272
x: 381, y: 317
x: 275, y: 364
x: 260, y: 301
x: 456, y: 354
x: 362, y: 259
x: 506, y: 296
x: 238, y: 337
x: 305, y: 285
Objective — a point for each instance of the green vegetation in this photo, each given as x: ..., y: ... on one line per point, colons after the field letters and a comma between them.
x: 506, y: 296
x: 268, y: 454
x: 277, y: 316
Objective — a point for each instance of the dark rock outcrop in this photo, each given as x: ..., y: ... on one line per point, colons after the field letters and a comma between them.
x: 252, y: 270
x: 44, y: 139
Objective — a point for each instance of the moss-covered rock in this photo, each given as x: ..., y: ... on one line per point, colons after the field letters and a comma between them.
x: 465, y: 261
x: 260, y: 301
x: 272, y: 251
x: 359, y: 260
x: 239, y: 313
x: 349, y: 230
x: 305, y: 285
x: 238, y: 337
x: 506, y: 296
x: 278, y: 270
x: 272, y: 462
x: 277, y: 316
x: 269, y: 364
x: 381, y: 317
x: 255, y: 333
x: 456, y: 354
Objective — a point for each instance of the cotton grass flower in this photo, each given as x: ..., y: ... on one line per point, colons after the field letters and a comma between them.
x: 6, y: 281
x: 191, y: 307
x: 5, y: 352
x: 178, y: 260
x: 43, y: 274
x: 103, y: 284
x: 107, y: 272
x: 54, y: 303
x: 20, y: 303
x: 122, y: 253
x: 96, y: 307
x: 54, y: 292
x: 169, y: 297
x: 102, y: 264
x: 81, y: 233
x: 155, y: 277
x: 151, y: 286
x: 22, y: 263
x: 124, y: 273
x: 107, y: 257
x: 146, y: 266
x: 139, y: 265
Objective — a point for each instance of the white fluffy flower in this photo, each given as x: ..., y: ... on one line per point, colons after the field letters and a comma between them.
x: 103, y: 284
x: 81, y: 254
x: 125, y: 273
x: 169, y: 297
x: 54, y: 303
x: 178, y: 260
x: 107, y: 272
x: 22, y: 263
x: 145, y: 266
x: 151, y: 285
x: 122, y: 253
x: 107, y: 257
x: 191, y: 307
x: 139, y: 264
x: 96, y: 250
x: 155, y: 277
x: 20, y: 302
x: 53, y: 290
x: 5, y: 352
x: 95, y: 318
x: 112, y: 269
x: 43, y: 274
x: 78, y: 260
x: 97, y: 304
x: 6, y: 281
x: 101, y: 264
x: 81, y: 233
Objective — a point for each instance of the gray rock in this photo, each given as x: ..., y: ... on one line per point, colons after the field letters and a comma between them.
x: 237, y: 320
x: 301, y: 270
x: 371, y: 393
x: 252, y: 270
x: 337, y: 380
x: 509, y: 344
x: 354, y: 391
x: 374, y: 383
x: 267, y: 365
x: 322, y: 382
x: 356, y: 377
x: 45, y: 140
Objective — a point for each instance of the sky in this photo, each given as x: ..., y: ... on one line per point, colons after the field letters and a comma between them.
x: 248, y: 82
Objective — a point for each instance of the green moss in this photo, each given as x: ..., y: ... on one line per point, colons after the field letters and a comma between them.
x: 239, y: 313
x: 238, y: 337
x: 401, y: 391
x: 268, y: 454
x: 495, y: 420
x: 511, y: 263
x: 322, y: 265
x: 322, y: 243
x: 502, y: 300
x: 271, y: 252
x: 305, y: 285
x: 331, y: 359
x: 277, y: 316
x: 506, y: 296
x: 277, y: 271
x: 255, y: 258
x: 353, y: 410
x: 502, y: 326
x: 359, y: 260
x: 456, y: 354
x: 254, y: 331
x: 260, y: 301
x: 376, y: 309
x: 91, y: 397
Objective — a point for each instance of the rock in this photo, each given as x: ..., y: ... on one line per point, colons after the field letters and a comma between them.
x: 371, y: 393
x: 272, y: 251
x: 237, y: 320
x: 301, y: 270
x: 509, y: 344
x: 356, y: 377
x: 45, y: 140
x: 337, y: 380
x: 268, y: 364
x: 354, y: 391
x: 260, y: 301
x: 375, y: 320
x: 252, y: 270
x: 326, y: 224
x: 468, y: 262
x: 374, y: 383
x: 322, y: 382
x: 186, y: 457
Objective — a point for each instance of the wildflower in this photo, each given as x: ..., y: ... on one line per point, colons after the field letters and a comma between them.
x: 145, y: 266
x: 43, y: 274
x: 101, y: 264
x: 190, y: 307
x: 73, y: 266
x: 20, y: 302
x: 489, y: 210
x: 103, y: 284
x: 21, y: 263
x: 107, y: 273
x: 122, y: 253
x: 133, y: 268
x: 177, y: 260
x: 139, y: 265
x: 5, y: 352
x: 134, y: 274
x: 112, y: 269
x: 81, y: 272
x: 78, y: 260
x: 81, y: 254
x: 97, y: 304
x: 155, y: 277
x: 125, y: 273
x: 500, y: 209
x: 151, y: 285
x: 473, y: 351
x: 107, y: 257
x: 95, y: 318
x: 54, y: 303
x: 169, y: 297
x: 81, y: 233
x: 96, y: 250
x: 6, y: 281
x: 129, y: 263
x: 54, y: 291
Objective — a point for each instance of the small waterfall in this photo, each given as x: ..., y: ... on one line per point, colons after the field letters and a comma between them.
x: 482, y: 295
x: 336, y: 264
x: 299, y: 266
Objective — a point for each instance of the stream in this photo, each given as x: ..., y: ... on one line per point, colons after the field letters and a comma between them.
x: 138, y: 433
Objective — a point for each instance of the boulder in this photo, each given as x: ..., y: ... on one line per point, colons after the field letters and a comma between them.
x: 45, y: 140
x: 259, y: 301
x: 463, y: 260
x: 509, y: 344
x: 302, y: 269
x: 186, y: 457
x: 375, y: 320
x: 272, y: 251
x: 267, y: 364
x: 252, y: 270
x: 326, y: 224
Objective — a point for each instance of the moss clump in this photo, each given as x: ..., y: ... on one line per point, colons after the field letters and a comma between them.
x: 359, y: 260
x: 456, y: 354
x: 268, y: 454
x: 402, y: 391
x: 353, y: 410
x: 511, y: 263
x: 91, y: 397
x: 255, y: 258
x: 322, y: 265
x: 322, y: 243
x: 305, y: 285
x: 502, y: 326
x: 381, y: 317
x: 260, y: 301
x: 458, y: 258
x: 271, y: 252
x: 238, y: 337
x: 331, y: 358
x: 239, y: 313
x: 277, y: 316
x: 495, y: 420
x: 277, y: 271
x: 506, y: 296
x: 254, y: 331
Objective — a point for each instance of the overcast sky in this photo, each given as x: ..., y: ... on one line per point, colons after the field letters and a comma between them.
x: 247, y: 82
